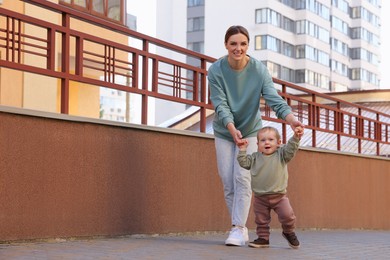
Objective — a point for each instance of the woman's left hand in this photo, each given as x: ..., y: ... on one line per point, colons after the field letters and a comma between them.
x: 293, y: 121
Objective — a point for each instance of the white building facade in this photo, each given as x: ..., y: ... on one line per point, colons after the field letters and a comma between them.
x: 324, y: 45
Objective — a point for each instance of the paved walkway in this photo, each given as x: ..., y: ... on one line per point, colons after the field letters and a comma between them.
x: 324, y: 244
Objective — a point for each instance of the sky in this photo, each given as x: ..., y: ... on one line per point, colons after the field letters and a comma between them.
x: 385, y: 45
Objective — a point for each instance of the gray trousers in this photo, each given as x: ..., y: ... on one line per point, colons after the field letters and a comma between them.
x: 235, y: 179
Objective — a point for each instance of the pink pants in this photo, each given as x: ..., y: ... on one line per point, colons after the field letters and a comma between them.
x: 262, y: 206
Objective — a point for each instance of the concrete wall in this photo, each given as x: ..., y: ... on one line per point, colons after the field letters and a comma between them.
x: 63, y: 176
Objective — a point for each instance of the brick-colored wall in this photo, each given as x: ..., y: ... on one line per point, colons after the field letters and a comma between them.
x: 67, y: 177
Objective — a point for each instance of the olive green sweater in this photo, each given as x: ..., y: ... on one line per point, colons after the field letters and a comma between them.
x: 269, y: 172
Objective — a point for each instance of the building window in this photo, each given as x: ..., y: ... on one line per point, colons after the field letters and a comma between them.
x: 364, y: 34
x: 340, y: 25
x: 278, y: 71
x: 309, y: 28
x: 271, y: 17
x: 360, y: 12
x: 288, y: 24
x: 267, y: 42
x: 196, y: 46
x: 300, y: 76
x: 288, y: 49
x: 113, y: 10
x: 300, y: 51
x: 342, y: 5
x: 376, y: 3
x: 195, y: 24
x: 268, y: 16
x: 311, y: 5
x: 192, y: 3
x: 312, y: 78
x: 273, y: 69
x: 339, y: 46
x: 311, y: 53
x: 97, y: 6
x: 287, y: 74
x: 364, y: 75
x: 363, y: 54
x: 339, y: 68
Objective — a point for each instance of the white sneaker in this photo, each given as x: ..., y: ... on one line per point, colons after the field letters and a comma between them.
x: 246, y: 236
x: 236, y: 237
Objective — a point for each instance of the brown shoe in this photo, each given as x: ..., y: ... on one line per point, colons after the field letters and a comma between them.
x: 258, y: 243
x: 292, y: 240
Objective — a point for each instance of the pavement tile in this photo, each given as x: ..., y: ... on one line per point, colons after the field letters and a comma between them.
x: 315, y: 244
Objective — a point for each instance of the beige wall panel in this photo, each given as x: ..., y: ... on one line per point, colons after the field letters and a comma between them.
x: 11, y: 91
x: 40, y: 93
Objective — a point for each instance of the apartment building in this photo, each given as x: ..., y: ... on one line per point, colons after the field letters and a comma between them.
x: 324, y: 45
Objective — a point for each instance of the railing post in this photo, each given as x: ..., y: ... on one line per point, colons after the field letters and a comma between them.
x: 359, y: 130
x: 135, y: 71
x: 145, y: 73
x: 284, y: 127
x: 65, y: 54
x: 378, y: 134
x: 339, y: 121
x: 51, y: 43
x: 79, y: 56
x: 311, y: 120
x: 202, y: 94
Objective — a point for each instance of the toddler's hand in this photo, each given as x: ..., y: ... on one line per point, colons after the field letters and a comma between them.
x: 242, y: 144
x: 298, y: 132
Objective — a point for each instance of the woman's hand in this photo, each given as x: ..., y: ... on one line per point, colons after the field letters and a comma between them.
x: 236, y: 134
x: 293, y: 122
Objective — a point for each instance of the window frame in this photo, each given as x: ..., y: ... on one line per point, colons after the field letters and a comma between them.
x: 89, y: 9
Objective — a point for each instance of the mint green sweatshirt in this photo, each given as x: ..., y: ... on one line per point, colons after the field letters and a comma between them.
x: 236, y: 95
x: 269, y: 172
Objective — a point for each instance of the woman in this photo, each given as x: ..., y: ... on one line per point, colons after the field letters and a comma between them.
x: 237, y: 82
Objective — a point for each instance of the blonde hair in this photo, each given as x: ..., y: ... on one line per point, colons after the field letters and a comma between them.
x: 269, y: 128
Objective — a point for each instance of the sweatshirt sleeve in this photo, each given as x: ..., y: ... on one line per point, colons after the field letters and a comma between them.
x: 272, y: 97
x: 290, y: 149
x: 245, y: 160
x: 218, y: 98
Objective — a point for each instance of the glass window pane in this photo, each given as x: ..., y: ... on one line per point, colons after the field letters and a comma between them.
x: 82, y: 3
x: 114, y: 9
x: 97, y: 6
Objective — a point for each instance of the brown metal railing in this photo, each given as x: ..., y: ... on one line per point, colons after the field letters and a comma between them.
x: 331, y: 122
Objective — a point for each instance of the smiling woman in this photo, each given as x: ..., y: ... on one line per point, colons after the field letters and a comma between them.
x: 237, y: 83
x: 110, y: 9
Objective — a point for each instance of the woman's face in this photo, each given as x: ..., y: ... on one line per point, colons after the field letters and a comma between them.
x: 237, y: 46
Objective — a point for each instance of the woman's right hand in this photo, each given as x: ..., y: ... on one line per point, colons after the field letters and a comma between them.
x: 236, y: 134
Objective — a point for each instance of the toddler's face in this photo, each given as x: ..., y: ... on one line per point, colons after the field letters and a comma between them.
x: 267, y: 142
